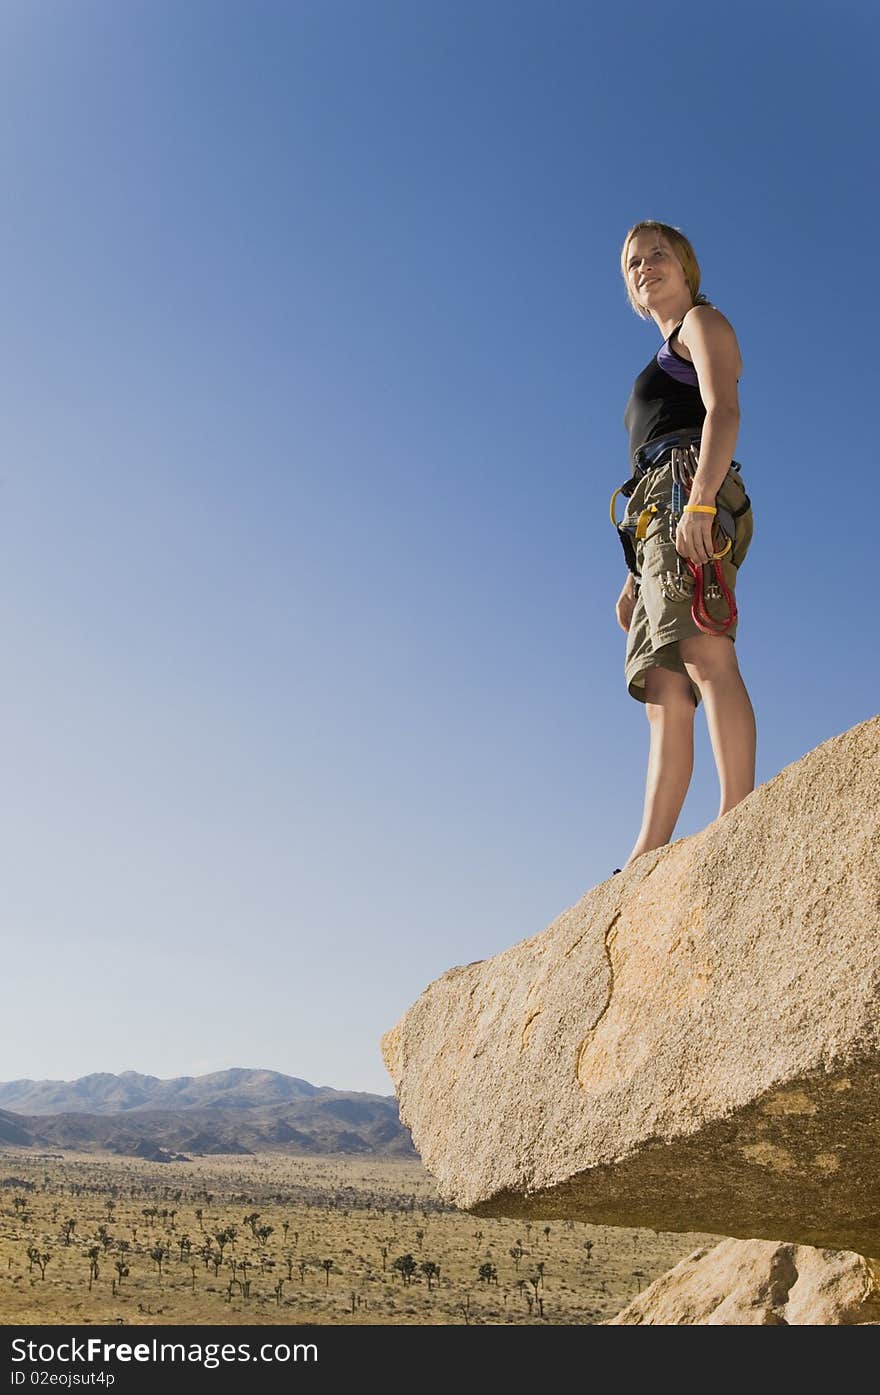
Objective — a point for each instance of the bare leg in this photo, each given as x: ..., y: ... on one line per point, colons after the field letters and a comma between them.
x: 711, y: 662
x: 670, y: 711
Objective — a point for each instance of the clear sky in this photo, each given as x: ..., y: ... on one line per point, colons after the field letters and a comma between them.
x: 315, y: 353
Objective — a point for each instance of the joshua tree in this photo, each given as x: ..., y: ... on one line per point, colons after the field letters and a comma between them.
x: 185, y: 1245
x: 157, y: 1254
x: 222, y: 1237
x: 326, y: 1265
x: 431, y: 1272
x: 420, y: 1235
x: 407, y: 1267
x: 94, y: 1271
x: 546, y: 1232
x: 199, y: 1214
x: 262, y: 1233
x: 122, y: 1269
x: 488, y: 1274
x: 67, y: 1229
x: 41, y: 1260
x: 279, y: 1291
x: 517, y: 1253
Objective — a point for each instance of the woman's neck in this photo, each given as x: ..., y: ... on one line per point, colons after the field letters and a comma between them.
x: 667, y: 318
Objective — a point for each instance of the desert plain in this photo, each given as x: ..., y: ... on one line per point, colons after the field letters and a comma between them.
x: 274, y: 1239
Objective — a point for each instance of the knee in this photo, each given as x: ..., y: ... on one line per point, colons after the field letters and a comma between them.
x: 666, y: 714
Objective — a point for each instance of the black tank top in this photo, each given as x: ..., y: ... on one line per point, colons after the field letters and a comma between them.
x: 665, y: 397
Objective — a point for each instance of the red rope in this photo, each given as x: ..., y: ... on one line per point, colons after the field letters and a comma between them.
x: 702, y: 619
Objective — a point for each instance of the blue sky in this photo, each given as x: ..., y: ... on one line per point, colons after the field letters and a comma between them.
x: 314, y: 363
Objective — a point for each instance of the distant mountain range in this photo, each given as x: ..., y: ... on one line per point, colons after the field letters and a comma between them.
x: 116, y: 1094
x: 230, y: 1111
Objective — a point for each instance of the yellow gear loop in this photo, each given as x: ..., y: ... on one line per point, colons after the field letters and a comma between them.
x: 613, y: 502
x: 723, y: 553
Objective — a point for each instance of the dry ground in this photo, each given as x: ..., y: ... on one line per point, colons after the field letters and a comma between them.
x: 360, y: 1215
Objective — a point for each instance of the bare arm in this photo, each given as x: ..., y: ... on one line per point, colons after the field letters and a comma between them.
x: 712, y: 345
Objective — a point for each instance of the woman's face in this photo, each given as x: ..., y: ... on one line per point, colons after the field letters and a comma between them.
x: 653, y: 271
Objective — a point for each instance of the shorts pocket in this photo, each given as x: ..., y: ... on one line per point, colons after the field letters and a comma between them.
x: 732, y: 495
x: 745, y: 526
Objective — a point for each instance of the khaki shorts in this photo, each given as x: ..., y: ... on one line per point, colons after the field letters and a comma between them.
x: 661, y: 616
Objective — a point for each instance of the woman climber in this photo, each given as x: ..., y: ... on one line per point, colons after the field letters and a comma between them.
x: 685, y: 531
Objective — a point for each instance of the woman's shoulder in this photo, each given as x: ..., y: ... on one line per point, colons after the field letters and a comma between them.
x: 709, y: 318
x: 706, y: 311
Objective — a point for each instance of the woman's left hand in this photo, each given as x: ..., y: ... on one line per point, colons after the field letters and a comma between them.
x: 693, y: 537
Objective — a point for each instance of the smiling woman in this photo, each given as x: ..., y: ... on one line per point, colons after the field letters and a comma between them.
x: 686, y: 530
x: 645, y: 249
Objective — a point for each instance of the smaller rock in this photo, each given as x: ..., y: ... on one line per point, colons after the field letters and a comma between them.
x: 760, y: 1283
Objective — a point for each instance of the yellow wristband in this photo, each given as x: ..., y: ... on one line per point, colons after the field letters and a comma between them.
x: 700, y: 508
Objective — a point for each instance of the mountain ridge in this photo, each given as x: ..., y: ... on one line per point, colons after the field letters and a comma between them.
x: 233, y: 1111
x: 103, y: 1092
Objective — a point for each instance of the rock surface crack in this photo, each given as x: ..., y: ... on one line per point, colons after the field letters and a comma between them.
x: 585, y: 1043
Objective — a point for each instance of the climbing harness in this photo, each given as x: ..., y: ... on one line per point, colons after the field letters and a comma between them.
x: 677, y: 585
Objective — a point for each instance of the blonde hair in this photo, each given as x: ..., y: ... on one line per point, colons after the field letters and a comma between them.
x: 684, y: 253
